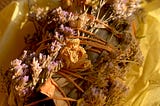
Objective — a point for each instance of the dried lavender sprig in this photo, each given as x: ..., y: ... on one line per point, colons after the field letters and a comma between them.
x: 30, y: 70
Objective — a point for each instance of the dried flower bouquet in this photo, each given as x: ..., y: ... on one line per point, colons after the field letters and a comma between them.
x: 80, y: 50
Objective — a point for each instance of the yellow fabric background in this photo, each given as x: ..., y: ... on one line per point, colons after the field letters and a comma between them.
x: 144, y: 82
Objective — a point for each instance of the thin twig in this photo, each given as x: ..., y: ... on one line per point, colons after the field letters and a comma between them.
x: 69, y: 79
x: 90, y: 33
x: 47, y: 98
x: 86, y: 38
x: 73, y: 74
x: 97, y: 45
x: 60, y: 90
x: 94, y: 50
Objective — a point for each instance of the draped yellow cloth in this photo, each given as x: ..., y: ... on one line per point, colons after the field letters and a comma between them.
x: 144, y: 82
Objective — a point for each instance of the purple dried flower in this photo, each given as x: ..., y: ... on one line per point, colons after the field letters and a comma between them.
x: 24, y: 66
x: 42, y: 58
x: 32, y: 54
x: 65, y: 14
x: 58, y: 36
x: 56, y: 46
x: 36, y: 68
x: 18, y: 68
x: 16, y: 62
x: 23, y: 91
x: 67, y: 30
x: 52, y: 66
x: 95, y: 91
x: 25, y: 79
x: 24, y: 55
x: 18, y: 71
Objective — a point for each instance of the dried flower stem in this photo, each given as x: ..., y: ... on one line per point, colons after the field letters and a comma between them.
x: 43, y: 41
x: 41, y: 48
x: 73, y: 74
x: 47, y: 98
x: 46, y: 40
x: 97, y: 45
x: 60, y: 90
x: 86, y: 38
x: 69, y: 79
x: 94, y: 50
x: 107, y: 26
x: 76, y: 75
x: 89, y: 33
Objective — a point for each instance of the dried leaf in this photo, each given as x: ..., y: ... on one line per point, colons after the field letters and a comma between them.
x: 48, y: 88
